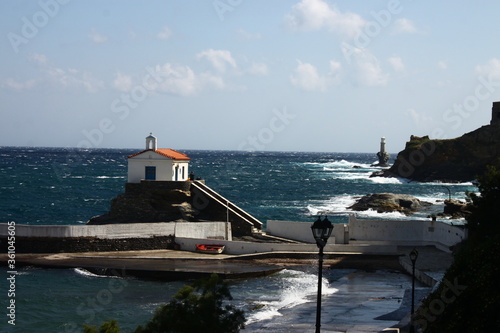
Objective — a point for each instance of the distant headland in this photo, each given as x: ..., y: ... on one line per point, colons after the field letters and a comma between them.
x: 453, y: 160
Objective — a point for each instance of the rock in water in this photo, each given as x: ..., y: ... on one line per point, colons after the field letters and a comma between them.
x: 389, y: 202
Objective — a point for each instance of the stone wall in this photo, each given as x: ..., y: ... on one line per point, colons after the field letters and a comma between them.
x: 148, y: 186
x: 86, y: 244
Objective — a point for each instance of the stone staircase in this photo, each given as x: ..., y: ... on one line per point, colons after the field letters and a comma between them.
x: 241, y: 221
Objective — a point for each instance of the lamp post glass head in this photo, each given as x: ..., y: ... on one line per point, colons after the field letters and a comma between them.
x: 413, y: 255
x: 322, y: 230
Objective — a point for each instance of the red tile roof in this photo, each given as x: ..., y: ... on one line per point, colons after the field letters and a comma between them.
x: 170, y: 153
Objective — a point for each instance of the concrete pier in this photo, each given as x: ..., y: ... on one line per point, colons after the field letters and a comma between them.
x: 361, y: 305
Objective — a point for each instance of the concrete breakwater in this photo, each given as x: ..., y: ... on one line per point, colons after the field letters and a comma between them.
x: 364, y: 242
x: 356, y: 236
x: 110, y: 237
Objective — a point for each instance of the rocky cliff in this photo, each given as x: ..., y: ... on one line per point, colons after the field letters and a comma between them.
x: 150, y: 202
x: 167, y: 201
x: 453, y: 160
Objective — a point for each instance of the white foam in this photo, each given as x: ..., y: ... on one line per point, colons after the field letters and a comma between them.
x: 352, y: 175
x: 334, y: 205
x: 388, y: 180
x: 373, y: 213
x: 298, y: 288
x: 342, y: 164
x: 85, y: 272
x: 104, y: 177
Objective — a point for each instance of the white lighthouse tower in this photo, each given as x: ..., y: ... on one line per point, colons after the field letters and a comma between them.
x: 383, y: 156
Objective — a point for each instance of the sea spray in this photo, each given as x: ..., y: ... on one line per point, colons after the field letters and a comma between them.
x: 296, y: 288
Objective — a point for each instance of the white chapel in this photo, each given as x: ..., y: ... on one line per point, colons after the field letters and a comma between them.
x: 157, y: 164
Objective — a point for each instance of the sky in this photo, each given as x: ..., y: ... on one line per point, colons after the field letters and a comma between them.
x: 287, y: 75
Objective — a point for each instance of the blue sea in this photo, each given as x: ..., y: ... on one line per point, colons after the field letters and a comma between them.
x: 59, y: 186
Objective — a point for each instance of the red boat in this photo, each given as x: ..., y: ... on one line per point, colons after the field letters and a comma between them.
x: 212, y: 249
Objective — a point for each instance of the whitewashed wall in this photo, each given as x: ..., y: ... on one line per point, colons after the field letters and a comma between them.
x: 405, y: 232
x: 239, y: 247
x: 165, y: 167
x: 220, y: 230
x: 414, y: 232
x: 137, y: 166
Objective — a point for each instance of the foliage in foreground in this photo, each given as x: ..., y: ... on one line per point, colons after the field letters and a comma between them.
x: 190, y: 311
x: 195, y: 308
x: 106, y: 327
x: 467, y: 299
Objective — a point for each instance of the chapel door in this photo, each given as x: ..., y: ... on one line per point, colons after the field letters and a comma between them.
x: 150, y: 173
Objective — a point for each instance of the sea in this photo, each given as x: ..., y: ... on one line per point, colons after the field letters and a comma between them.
x: 61, y: 186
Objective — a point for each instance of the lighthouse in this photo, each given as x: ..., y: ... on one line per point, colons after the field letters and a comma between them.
x: 382, y: 155
x: 157, y: 164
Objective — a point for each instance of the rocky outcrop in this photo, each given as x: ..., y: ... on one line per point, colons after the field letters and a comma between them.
x: 454, y: 160
x: 455, y: 209
x: 168, y: 201
x: 389, y: 202
x: 149, y: 202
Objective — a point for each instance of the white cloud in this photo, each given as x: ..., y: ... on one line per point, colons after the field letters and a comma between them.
x: 335, y: 66
x: 97, y: 37
x: 404, y: 25
x: 122, y: 82
x: 165, y: 33
x: 212, y: 81
x: 334, y: 74
x: 38, y: 58
x: 219, y: 59
x: 368, y: 68
x: 317, y: 14
x: 396, y: 64
x: 259, y: 69
x: 443, y: 65
x: 73, y: 78
x: 245, y: 35
x: 182, y: 80
x: 18, y: 85
x: 491, y: 69
x: 421, y: 120
x: 58, y: 77
x: 306, y: 77
x: 176, y: 79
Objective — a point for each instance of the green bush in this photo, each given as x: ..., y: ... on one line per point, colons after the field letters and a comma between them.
x: 106, y: 327
x: 199, y: 307
x: 467, y: 300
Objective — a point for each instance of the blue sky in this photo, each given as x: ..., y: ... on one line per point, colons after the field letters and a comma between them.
x: 301, y: 75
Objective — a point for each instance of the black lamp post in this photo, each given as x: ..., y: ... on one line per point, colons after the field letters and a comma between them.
x: 413, y: 258
x: 449, y: 191
x: 321, y: 229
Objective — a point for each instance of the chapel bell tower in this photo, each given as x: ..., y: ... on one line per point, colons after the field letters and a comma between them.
x: 151, y: 142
